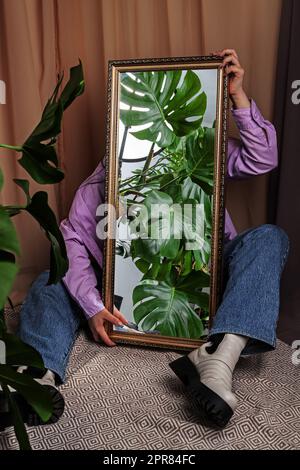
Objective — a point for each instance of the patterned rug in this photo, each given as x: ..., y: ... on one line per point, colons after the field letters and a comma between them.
x: 128, y: 398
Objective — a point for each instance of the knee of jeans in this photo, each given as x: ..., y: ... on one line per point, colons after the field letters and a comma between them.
x: 40, y: 291
x: 41, y: 280
x: 276, y: 236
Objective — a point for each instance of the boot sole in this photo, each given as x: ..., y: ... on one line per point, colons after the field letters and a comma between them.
x: 29, y: 415
x: 216, y: 411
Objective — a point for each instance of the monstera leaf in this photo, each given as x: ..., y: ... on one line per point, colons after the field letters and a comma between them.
x: 168, y: 101
x: 37, y: 206
x: 192, y: 285
x: 39, y: 157
x: 36, y: 394
x: 159, y: 306
x: 43, y: 214
x: 200, y: 158
x: 40, y: 160
x: 201, y: 240
x: 160, y: 235
x: 9, y: 247
x: 186, y: 222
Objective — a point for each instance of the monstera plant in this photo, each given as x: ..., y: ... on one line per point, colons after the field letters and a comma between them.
x: 168, y: 117
x: 39, y: 159
x: 172, y: 296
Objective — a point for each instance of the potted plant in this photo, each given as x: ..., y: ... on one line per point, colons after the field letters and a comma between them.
x: 39, y: 159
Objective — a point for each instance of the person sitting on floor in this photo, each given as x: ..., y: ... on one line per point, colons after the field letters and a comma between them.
x: 245, y: 322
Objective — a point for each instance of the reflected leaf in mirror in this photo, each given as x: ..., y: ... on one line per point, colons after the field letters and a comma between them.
x: 170, y: 102
x: 177, y: 170
x: 165, y: 308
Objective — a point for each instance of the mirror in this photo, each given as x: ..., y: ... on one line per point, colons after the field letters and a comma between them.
x: 166, y: 149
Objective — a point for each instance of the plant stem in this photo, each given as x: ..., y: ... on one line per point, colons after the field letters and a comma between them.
x: 123, y: 143
x: 124, y: 138
x: 146, y: 166
x: 141, y: 159
x: 154, y: 167
x: 138, y: 185
x: 18, y: 423
x: 132, y: 191
x: 169, y: 182
x: 17, y: 148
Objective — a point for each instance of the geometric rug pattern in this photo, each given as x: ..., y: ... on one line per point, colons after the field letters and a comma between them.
x: 128, y: 398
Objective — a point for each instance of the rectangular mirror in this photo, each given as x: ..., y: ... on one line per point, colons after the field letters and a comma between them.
x: 165, y: 160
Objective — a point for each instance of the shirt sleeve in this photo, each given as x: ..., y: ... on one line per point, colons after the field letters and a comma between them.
x: 82, y: 243
x: 256, y: 151
x: 80, y: 279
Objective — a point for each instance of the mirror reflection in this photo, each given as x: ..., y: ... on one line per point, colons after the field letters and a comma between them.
x: 166, y: 147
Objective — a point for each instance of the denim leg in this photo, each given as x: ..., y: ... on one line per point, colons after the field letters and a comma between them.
x: 49, y: 322
x: 253, y: 263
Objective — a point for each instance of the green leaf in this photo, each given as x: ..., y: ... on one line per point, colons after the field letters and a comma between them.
x: 159, y: 306
x: 142, y: 265
x: 200, y: 159
x: 49, y: 125
x: 35, y: 160
x: 44, y: 215
x: 202, y: 300
x: 146, y: 249
x: 18, y: 422
x: 34, y: 393
x: 171, y: 224
x: 9, y: 246
x: 152, y: 271
x: 40, y: 159
x: 172, y: 105
x: 24, y: 184
x: 192, y: 286
x: 74, y: 87
x: 8, y: 272
x: 163, y: 226
x: 187, y: 263
x: 8, y: 237
x: 162, y: 210
x: 38, y: 207
x: 189, y: 189
x: 59, y: 262
x: 53, y: 97
x: 164, y: 272
x: 200, y: 259
x: 19, y: 353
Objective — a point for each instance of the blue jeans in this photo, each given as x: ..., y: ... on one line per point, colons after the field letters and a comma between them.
x: 253, y: 262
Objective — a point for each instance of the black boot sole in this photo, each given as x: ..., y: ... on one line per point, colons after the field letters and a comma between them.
x: 215, y: 410
x: 29, y: 415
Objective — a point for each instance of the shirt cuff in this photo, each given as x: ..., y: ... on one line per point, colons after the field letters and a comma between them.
x: 90, y: 306
x: 248, y: 118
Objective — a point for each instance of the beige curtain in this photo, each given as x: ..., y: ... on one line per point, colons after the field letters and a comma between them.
x: 252, y: 28
x: 39, y: 38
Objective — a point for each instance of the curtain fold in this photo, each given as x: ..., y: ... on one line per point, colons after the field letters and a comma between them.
x: 27, y: 65
x: 39, y: 38
x: 252, y: 28
x: 284, y: 188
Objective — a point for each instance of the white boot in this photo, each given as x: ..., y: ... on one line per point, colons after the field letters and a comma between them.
x: 208, y: 376
x: 44, y: 379
x: 215, y: 369
x: 30, y: 417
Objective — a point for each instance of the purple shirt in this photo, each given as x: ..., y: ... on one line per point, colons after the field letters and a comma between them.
x: 254, y: 154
